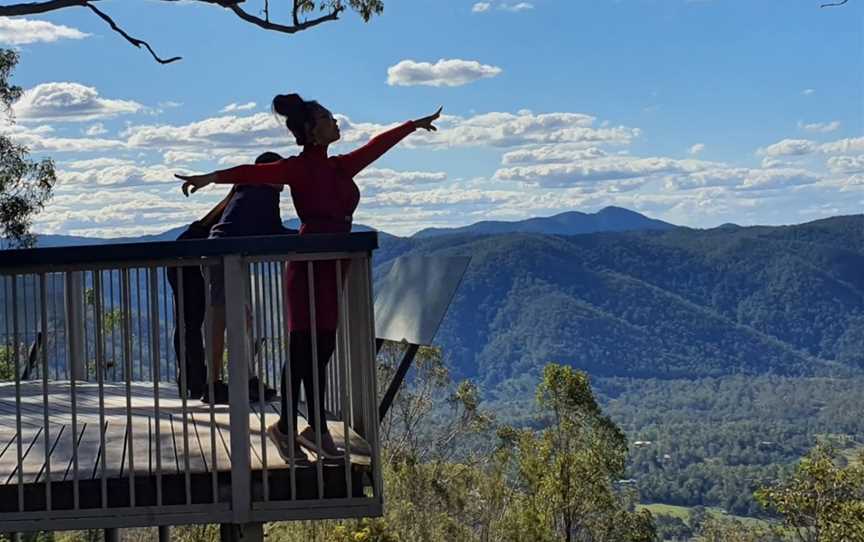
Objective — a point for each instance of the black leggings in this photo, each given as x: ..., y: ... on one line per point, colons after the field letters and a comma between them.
x: 193, y: 320
x: 301, y: 370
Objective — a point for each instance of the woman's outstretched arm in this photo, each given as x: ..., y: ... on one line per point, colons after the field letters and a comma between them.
x: 357, y: 160
x: 279, y: 172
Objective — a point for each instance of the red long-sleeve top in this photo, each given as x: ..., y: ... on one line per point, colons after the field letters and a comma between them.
x: 325, y: 197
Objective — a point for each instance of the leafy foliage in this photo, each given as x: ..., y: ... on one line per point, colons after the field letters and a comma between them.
x: 25, y: 185
x: 821, y: 502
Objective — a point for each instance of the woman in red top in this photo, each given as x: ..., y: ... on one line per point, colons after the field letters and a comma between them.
x: 325, y: 197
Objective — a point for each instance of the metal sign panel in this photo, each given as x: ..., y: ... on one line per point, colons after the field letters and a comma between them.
x: 412, y: 299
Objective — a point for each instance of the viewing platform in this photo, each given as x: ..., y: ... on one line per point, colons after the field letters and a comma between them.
x: 95, y: 431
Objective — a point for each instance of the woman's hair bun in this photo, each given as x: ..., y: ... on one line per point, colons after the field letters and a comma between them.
x: 289, y: 105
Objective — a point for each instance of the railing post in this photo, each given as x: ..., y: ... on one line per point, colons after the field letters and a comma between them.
x: 236, y: 275
x: 358, y: 316
x: 75, y: 324
x: 249, y: 532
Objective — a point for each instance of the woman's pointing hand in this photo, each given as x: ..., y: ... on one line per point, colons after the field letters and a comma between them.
x: 426, y: 122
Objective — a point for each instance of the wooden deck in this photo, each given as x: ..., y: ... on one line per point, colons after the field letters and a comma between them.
x: 165, y: 470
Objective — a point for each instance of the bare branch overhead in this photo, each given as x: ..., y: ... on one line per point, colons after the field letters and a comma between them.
x: 134, y: 41
x: 331, y: 8
x: 840, y: 3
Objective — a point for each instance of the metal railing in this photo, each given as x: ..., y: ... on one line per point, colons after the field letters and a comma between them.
x: 96, y: 423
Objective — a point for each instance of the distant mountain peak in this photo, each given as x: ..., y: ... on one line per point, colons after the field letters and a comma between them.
x: 609, y: 218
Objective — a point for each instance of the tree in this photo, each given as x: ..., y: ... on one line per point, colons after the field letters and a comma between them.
x: 567, y: 473
x: 25, y: 185
x: 821, y: 502
x: 331, y: 9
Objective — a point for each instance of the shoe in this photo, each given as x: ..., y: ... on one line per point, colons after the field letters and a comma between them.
x: 328, y: 448
x: 220, y: 394
x: 269, y: 393
x: 283, y: 445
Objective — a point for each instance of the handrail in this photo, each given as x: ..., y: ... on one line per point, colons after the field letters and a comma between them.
x: 104, y: 442
x: 12, y: 261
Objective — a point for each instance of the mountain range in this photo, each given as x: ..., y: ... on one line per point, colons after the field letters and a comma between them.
x: 619, y: 294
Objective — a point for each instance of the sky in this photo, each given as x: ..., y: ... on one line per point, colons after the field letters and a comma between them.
x: 696, y: 112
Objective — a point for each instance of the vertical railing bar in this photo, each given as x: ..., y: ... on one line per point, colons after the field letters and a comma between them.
x: 313, y: 336
x: 43, y: 303
x: 51, y: 339
x: 126, y: 335
x: 371, y: 372
x: 285, y: 357
x: 55, y: 335
x: 63, y: 355
x: 270, y: 363
x: 73, y: 391
x: 52, y: 301
x: 16, y: 354
x: 167, y: 343
x: 32, y: 326
x: 348, y: 409
x: 7, y: 320
x: 180, y: 320
x: 25, y: 310
x: 340, y: 359
x: 100, y: 378
x: 140, y: 323
x: 86, y: 342
x: 208, y: 356
x: 113, y: 325
x: 262, y: 404
x: 156, y: 373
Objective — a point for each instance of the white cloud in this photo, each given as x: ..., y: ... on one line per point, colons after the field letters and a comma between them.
x: 70, y: 102
x: 438, y: 197
x: 846, y: 164
x: 101, y: 212
x: 736, y: 178
x: 820, y: 127
x: 445, y: 72
x: 696, y: 149
x: 238, y: 134
x: 98, y: 163
x: 176, y: 157
x: 480, y: 7
x: 849, y: 145
x: 509, y: 130
x: 551, y: 154
x: 219, y: 132
x: 789, y: 147
x: 602, y: 169
x: 95, y: 129
x: 24, y: 31
x: 516, y: 7
x: 230, y: 108
x: 769, y: 179
x: 808, y: 91
x: 373, y: 180
x: 38, y: 139
x: 117, y: 174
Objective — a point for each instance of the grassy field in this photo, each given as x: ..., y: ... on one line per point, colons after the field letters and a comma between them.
x: 683, y: 513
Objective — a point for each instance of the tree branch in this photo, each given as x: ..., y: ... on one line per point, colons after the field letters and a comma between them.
x: 134, y: 41
x: 297, y: 27
x: 840, y: 3
x: 32, y: 8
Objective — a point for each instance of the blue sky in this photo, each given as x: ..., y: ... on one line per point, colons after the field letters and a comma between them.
x: 697, y: 112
